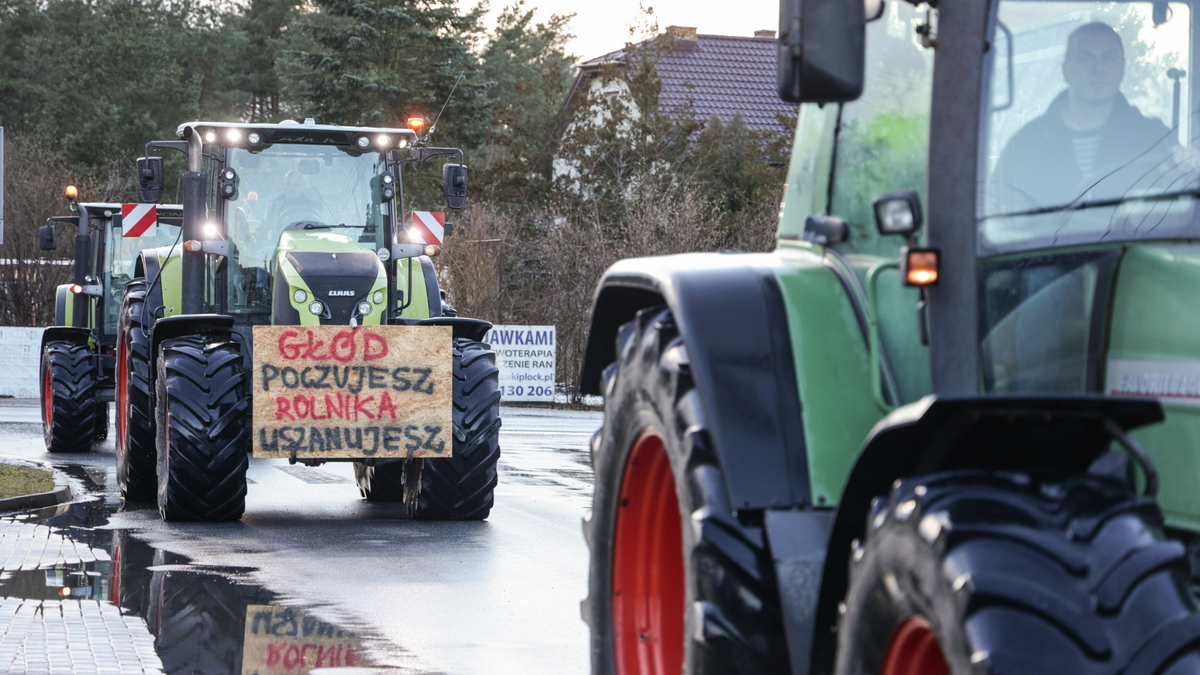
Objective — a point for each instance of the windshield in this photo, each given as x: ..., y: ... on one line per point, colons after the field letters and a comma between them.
x: 297, y: 187
x: 1089, y: 125
x: 120, y: 254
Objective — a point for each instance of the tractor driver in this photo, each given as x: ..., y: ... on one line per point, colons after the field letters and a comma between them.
x: 293, y: 205
x: 1090, y: 138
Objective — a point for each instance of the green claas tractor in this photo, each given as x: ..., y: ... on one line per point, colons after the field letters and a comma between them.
x: 950, y: 424
x: 298, y: 225
x: 77, y: 363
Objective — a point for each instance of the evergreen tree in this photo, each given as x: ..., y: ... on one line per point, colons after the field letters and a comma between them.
x: 377, y: 62
x: 530, y: 73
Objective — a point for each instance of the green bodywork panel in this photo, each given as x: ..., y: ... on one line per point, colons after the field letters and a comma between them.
x: 840, y: 398
x: 417, y: 295
x: 316, y: 241
x: 170, y: 278
x: 1155, y: 323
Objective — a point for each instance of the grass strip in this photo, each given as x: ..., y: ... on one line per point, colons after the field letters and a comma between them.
x: 16, y: 481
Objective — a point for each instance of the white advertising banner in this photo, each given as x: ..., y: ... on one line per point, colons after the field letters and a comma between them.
x: 20, y: 361
x: 527, y: 358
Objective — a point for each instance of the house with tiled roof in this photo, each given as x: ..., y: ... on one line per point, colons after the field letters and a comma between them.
x: 720, y: 75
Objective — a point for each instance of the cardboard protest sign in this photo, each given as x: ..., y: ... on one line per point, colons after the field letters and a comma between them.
x: 367, y: 391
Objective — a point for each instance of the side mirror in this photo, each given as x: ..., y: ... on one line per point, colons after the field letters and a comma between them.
x: 822, y: 50
x: 454, y: 185
x: 151, y: 177
x: 48, y: 238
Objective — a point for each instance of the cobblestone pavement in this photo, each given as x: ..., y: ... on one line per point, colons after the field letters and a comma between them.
x: 71, y: 637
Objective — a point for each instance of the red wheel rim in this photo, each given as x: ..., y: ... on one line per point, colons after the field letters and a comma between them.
x: 122, y: 394
x: 48, y: 398
x: 648, y: 582
x: 914, y: 650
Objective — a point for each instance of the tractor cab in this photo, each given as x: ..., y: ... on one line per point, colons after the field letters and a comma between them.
x: 301, y: 224
x: 1067, y: 238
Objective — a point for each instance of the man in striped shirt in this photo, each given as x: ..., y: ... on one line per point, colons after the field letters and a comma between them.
x: 1091, y: 143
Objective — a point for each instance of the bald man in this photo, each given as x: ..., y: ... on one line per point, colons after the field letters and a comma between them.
x: 1089, y: 138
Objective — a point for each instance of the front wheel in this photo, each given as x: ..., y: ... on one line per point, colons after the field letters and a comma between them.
x: 203, y: 429
x: 460, y: 487
x: 970, y: 572
x: 70, y: 404
x: 679, y: 583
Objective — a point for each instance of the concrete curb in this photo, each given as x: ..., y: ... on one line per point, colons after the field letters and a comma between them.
x: 60, y: 494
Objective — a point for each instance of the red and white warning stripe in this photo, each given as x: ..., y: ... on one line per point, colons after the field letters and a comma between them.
x: 139, y: 220
x: 427, y: 227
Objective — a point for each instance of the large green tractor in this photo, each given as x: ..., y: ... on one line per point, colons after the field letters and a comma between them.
x: 77, y: 362
x: 295, y: 225
x: 968, y: 448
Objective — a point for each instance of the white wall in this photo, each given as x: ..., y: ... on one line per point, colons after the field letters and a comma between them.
x: 19, y: 361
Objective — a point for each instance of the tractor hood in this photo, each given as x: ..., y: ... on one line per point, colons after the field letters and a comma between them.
x: 330, y: 268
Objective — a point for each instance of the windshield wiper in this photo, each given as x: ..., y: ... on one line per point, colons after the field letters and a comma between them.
x: 1100, y: 203
x: 323, y: 226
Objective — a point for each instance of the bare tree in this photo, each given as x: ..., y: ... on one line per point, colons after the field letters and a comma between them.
x: 34, y: 181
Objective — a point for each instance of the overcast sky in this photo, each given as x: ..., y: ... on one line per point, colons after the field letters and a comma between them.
x: 602, y: 26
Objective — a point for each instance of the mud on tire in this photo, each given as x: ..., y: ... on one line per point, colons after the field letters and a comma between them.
x: 69, y: 397
x: 460, y: 488
x: 137, y: 460
x: 1016, y: 576
x: 203, y: 418
x: 726, y: 617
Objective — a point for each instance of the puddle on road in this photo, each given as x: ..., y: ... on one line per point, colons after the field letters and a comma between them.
x: 158, y: 613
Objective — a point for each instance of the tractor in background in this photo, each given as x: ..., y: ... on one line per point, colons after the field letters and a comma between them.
x: 77, y: 352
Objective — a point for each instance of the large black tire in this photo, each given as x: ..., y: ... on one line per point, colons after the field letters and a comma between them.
x: 203, y: 420
x: 69, y: 396
x: 460, y: 487
x: 137, y: 459
x: 1006, y: 574
x: 676, y: 577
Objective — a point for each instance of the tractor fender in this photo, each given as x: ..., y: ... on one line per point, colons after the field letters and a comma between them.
x: 1062, y: 435
x: 80, y: 336
x: 471, y: 329
x: 731, y: 315
x: 188, y: 324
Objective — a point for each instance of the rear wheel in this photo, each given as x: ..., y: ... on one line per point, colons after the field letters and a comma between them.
x: 69, y: 397
x: 678, y: 583
x: 460, y: 487
x: 203, y: 418
x: 136, y: 455
x: 981, y: 573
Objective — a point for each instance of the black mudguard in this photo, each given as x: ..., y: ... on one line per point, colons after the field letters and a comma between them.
x: 732, y: 318
x: 68, y: 333
x: 188, y: 324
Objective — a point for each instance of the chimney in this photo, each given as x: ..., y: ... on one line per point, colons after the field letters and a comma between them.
x: 682, y: 32
x: 765, y: 34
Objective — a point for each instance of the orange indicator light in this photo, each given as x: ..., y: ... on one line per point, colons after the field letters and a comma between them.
x: 921, y: 267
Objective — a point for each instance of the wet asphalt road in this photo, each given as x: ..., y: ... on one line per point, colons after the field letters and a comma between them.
x: 346, y: 581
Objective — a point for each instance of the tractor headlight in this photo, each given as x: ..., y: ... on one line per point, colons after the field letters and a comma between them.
x: 364, y: 308
x: 299, y: 296
x: 377, y: 298
x: 254, y: 137
x: 316, y: 307
x: 362, y: 142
